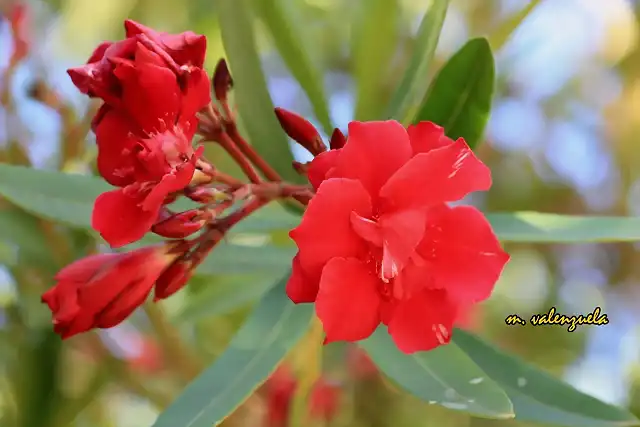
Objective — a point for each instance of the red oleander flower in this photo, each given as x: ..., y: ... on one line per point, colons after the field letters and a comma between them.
x: 144, y: 129
x: 324, y: 400
x: 379, y: 244
x: 100, y: 291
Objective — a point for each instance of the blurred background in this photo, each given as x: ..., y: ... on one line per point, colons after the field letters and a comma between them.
x: 561, y: 138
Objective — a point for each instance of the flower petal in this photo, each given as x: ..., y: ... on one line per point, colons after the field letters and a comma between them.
x: 463, y: 254
x: 320, y: 166
x: 325, y: 231
x: 423, y: 322
x: 301, y: 288
x: 427, y: 136
x: 119, y: 219
x: 116, y: 139
x: 348, y: 301
x: 443, y: 175
x: 372, y: 153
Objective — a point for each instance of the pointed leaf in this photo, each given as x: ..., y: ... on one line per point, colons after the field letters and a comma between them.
x: 250, y: 87
x: 413, y: 86
x: 537, y: 396
x: 459, y: 98
x: 281, y: 17
x: 374, y: 41
x: 253, y: 354
x: 446, y: 376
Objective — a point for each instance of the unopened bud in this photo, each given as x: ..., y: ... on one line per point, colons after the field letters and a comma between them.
x: 337, y: 140
x: 172, y: 279
x: 222, y: 81
x: 180, y: 225
x: 301, y: 168
x: 301, y: 130
x: 200, y: 178
x: 207, y: 195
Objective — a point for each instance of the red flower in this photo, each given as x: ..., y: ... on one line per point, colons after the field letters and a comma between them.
x: 144, y: 130
x: 100, y: 291
x: 324, y: 400
x: 18, y: 19
x: 378, y: 243
x: 279, y: 388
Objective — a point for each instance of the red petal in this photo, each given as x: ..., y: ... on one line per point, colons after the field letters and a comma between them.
x: 119, y: 219
x: 401, y: 234
x: 300, y: 288
x: 427, y: 136
x: 372, y: 153
x: 86, y: 268
x: 422, y: 322
x: 463, y: 254
x: 348, y: 301
x: 124, y: 304
x: 196, y: 94
x: 116, y: 139
x: 443, y: 175
x: 151, y: 95
x: 325, y: 231
x: 320, y: 166
x: 98, y: 53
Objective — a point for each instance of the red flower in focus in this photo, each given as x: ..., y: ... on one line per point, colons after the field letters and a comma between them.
x: 144, y: 129
x: 379, y: 244
x: 100, y: 291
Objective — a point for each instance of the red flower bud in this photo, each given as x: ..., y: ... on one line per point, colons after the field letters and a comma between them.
x: 301, y: 130
x: 324, y: 400
x: 222, y: 81
x: 206, y: 195
x: 337, y: 140
x: 180, y: 225
x: 173, y: 279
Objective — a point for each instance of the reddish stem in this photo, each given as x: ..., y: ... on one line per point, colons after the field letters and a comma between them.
x: 230, y: 147
x: 251, y: 153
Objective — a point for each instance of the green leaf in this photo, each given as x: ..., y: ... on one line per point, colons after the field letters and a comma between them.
x: 374, y: 41
x: 250, y: 88
x: 69, y: 199
x: 224, y: 295
x: 536, y: 395
x: 262, y: 342
x: 21, y: 229
x: 459, y: 98
x: 229, y: 258
x: 539, y: 227
x: 446, y: 376
x: 284, y: 23
x: 414, y: 84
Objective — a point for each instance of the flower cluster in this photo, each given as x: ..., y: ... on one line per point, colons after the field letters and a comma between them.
x: 378, y: 242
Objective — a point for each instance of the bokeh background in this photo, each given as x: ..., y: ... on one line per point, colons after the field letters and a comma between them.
x: 562, y: 137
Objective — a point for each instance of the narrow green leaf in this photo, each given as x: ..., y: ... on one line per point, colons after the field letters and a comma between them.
x: 446, y: 376
x: 69, y: 199
x: 260, y: 344
x: 414, y: 84
x: 537, y: 396
x: 284, y: 23
x: 551, y: 228
x: 500, y: 35
x: 229, y: 258
x: 20, y: 229
x: 226, y: 294
x: 374, y: 41
x: 250, y: 87
x: 459, y: 98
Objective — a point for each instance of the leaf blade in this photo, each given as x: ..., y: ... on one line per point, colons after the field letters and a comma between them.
x: 260, y: 344
x: 445, y: 375
x: 536, y: 395
x: 250, y: 87
x: 459, y: 98
x: 412, y: 88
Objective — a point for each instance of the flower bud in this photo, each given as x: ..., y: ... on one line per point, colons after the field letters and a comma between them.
x: 206, y: 195
x: 180, y: 225
x: 301, y: 130
x: 222, y: 81
x: 337, y: 140
x: 172, y: 279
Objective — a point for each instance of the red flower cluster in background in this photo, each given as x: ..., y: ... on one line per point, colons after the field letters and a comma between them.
x: 323, y: 403
x: 378, y: 242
